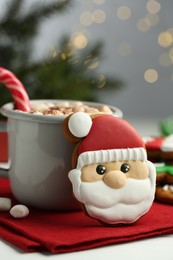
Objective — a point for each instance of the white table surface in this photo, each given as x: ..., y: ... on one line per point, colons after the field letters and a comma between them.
x: 160, y: 248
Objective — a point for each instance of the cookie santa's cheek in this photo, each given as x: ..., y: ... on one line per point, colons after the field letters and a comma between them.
x: 93, y: 172
x: 138, y: 170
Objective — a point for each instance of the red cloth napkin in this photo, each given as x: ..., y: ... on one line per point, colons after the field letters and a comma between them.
x: 68, y: 232
x: 3, y: 147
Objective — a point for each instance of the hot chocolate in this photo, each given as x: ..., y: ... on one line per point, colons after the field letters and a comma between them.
x: 66, y: 108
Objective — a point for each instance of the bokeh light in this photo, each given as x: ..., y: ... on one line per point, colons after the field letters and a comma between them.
x: 153, y: 6
x: 63, y: 56
x: 152, y: 19
x: 171, y: 54
x: 91, y: 63
x: 101, y: 81
x: 143, y: 24
x: 54, y: 54
x: 86, y: 18
x: 99, y: 2
x: 99, y: 16
x: 151, y: 75
x: 79, y: 40
x: 170, y: 30
x: 123, y: 12
x: 165, y: 39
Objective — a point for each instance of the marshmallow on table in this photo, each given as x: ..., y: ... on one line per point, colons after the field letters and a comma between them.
x: 5, y: 204
x: 19, y: 211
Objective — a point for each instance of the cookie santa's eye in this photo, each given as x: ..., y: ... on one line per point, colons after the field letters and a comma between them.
x: 101, y: 169
x: 125, y: 167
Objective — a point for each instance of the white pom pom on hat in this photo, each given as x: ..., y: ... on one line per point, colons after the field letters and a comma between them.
x: 80, y: 124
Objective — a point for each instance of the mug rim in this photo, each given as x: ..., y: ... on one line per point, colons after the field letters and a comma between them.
x: 8, y: 111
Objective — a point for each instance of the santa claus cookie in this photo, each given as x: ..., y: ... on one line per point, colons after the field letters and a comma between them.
x: 159, y: 148
x: 111, y: 177
x: 164, y: 183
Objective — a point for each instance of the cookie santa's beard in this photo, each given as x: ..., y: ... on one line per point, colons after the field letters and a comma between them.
x: 124, y: 205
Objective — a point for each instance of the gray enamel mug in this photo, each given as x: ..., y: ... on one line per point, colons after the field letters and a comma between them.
x: 40, y: 158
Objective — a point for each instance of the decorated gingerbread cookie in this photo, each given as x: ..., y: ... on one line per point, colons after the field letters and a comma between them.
x: 164, y: 181
x: 159, y: 148
x: 111, y: 176
x: 166, y: 126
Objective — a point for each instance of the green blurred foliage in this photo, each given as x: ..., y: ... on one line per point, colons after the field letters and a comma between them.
x: 64, y: 74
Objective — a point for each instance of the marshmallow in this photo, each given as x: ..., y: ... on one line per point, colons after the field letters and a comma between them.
x: 5, y: 204
x: 65, y: 109
x: 19, y: 211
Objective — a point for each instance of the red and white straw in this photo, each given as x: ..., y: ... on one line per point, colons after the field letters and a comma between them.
x: 16, y: 89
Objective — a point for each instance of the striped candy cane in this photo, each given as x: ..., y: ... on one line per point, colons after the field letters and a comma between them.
x: 16, y: 89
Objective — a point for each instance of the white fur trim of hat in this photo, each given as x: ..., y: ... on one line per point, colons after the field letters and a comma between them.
x: 101, y: 156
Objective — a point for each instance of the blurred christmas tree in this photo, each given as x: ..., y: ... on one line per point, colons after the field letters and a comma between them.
x: 66, y: 73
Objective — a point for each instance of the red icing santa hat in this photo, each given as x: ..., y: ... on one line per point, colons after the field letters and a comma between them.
x: 106, y: 138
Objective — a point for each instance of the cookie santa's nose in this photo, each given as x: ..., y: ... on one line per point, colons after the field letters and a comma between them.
x: 115, y: 179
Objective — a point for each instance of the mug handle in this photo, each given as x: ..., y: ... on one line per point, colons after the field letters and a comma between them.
x: 3, y: 172
x: 4, y: 166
